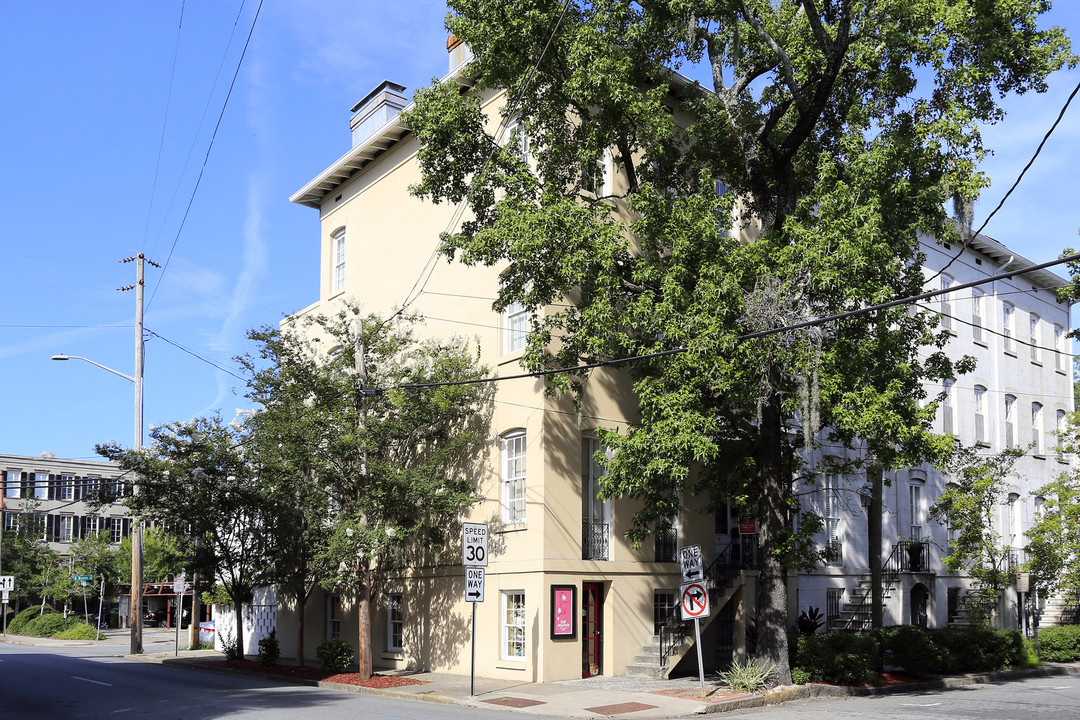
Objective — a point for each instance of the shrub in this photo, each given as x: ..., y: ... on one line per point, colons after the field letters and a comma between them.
x: 751, y: 676
x: 915, y: 650
x: 269, y: 649
x: 51, y: 625
x: 810, y: 620
x: 82, y: 631
x: 981, y: 649
x: 334, y: 654
x: 842, y: 658
x: 230, y: 647
x: 800, y: 676
x: 19, y: 622
x: 1060, y: 644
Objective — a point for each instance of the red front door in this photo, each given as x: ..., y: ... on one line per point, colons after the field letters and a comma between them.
x: 592, y: 629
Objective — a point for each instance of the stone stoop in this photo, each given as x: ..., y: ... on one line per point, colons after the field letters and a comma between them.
x: 648, y: 662
x: 850, y: 610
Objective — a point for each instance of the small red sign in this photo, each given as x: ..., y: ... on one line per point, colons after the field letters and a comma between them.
x: 747, y: 527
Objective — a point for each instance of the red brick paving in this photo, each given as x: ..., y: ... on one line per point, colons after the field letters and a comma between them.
x: 620, y: 708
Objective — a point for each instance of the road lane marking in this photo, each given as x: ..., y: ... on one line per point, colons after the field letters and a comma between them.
x: 96, y: 682
x: 920, y: 704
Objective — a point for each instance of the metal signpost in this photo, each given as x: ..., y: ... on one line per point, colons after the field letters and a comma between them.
x: 690, y: 561
x: 474, y: 556
x: 694, y: 605
x: 178, y: 588
x: 83, y: 579
x: 7, y: 584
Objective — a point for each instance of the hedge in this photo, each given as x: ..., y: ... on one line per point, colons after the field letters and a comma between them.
x: 1060, y: 644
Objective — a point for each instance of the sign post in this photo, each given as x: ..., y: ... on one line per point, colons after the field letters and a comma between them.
x: 178, y: 588
x: 83, y: 579
x: 690, y: 561
x: 474, y: 556
x: 694, y: 605
x: 7, y: 584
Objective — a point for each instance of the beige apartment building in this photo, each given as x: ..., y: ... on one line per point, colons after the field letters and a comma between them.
x: 555, y: 548
x: 557, y: 551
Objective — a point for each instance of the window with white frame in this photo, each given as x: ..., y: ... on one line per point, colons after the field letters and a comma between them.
x: 1008, y: 328
x: 948, y: 426
x: 1011, y: 521
x: 93, y: 525
x: 1036, y: 428
x: 394, y: 622
x: 978, y: 330
x: 67, y: 487
x: 596, y: 175
x: 947, y: 282
x: 116, y: 530
x: 1010, y: 421
x: 11, y: 521
x: 833, y: 516
x: 1059, y: 432
x: 980, y: 415
x: 518, y: 139
x: 1060, y: 356
x: 664, y: 605
x: 1033, y: 338
x: 1037, y: 511
x: 513, y: 477
x: 950, y: 528
x: 515, y: 328
x: 512, y: 645
x: 915, y: 507
x: 338, y: 245
x: 116, y: 490
x: 595, y: 512
x: 13, y: 484
x: 41, y: 486
x: 333, y: 616
x: 64, y: 528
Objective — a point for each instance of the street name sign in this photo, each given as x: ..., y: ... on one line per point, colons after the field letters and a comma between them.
x: 474, y: 544
x: 694, y: 601
x: 474, y: 584
x: 84, y: 578
x: 690, y: 560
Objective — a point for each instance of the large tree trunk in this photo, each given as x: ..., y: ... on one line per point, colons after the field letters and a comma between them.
x: 238, y: 609
x: 363, y: 640
x: 301, y: 606
x: 772, y: 513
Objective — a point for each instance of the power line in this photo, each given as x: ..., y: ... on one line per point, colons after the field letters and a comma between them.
x: 1019, y: 177
x: 206, y: 158
x: 196, y: 355
x: 761, y: 333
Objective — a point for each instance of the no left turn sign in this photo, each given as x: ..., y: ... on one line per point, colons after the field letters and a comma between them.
x: 694, y: 601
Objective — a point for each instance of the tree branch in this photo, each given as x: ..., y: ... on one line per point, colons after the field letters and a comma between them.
x: 781, y: 55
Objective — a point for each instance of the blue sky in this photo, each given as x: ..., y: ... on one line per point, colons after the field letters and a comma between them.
x: 108, y: 112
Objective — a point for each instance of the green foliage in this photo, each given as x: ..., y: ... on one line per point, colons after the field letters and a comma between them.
x: 232, y: 649
x: 800, y: 676
x: 970, y: 506
x: 1060, y: 644
x: 915, y: 650
x: 165, y: 556
x: 810, y: 620
x: 20, y: 622
x: 334, y: 654
x: 51, y: 624
x: 200, y: 645
x: 841, y: 658
x: 269, y: 649
x: 1054, y: 537
x: 80, y: 631
x: 839, y: 130
x: 982, y: 649
x: 752, y: 676
x: 216, y: 595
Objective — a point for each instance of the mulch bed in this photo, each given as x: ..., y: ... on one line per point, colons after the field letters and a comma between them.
x: 318, y: 674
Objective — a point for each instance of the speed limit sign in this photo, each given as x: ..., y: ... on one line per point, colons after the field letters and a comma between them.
x: 474, y: 544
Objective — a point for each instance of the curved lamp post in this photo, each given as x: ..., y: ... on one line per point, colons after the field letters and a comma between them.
x: 136, y: 534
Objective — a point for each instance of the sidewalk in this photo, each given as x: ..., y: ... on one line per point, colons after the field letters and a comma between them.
x: 620, y: 696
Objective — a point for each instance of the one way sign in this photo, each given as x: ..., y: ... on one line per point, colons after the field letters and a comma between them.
x: 474, y: 584
x: 690, y: 559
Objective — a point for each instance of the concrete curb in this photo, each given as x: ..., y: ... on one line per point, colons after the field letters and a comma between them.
x: 812, y: 690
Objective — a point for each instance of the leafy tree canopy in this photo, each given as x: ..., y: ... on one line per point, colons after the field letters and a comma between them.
x: 836, y: 130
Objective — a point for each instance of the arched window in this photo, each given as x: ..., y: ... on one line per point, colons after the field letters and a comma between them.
x: 1033, y: 338
x: 947, y: 282
x: 1010, y: 421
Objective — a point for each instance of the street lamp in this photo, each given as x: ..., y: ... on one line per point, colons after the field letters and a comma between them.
x: 136, y: 534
